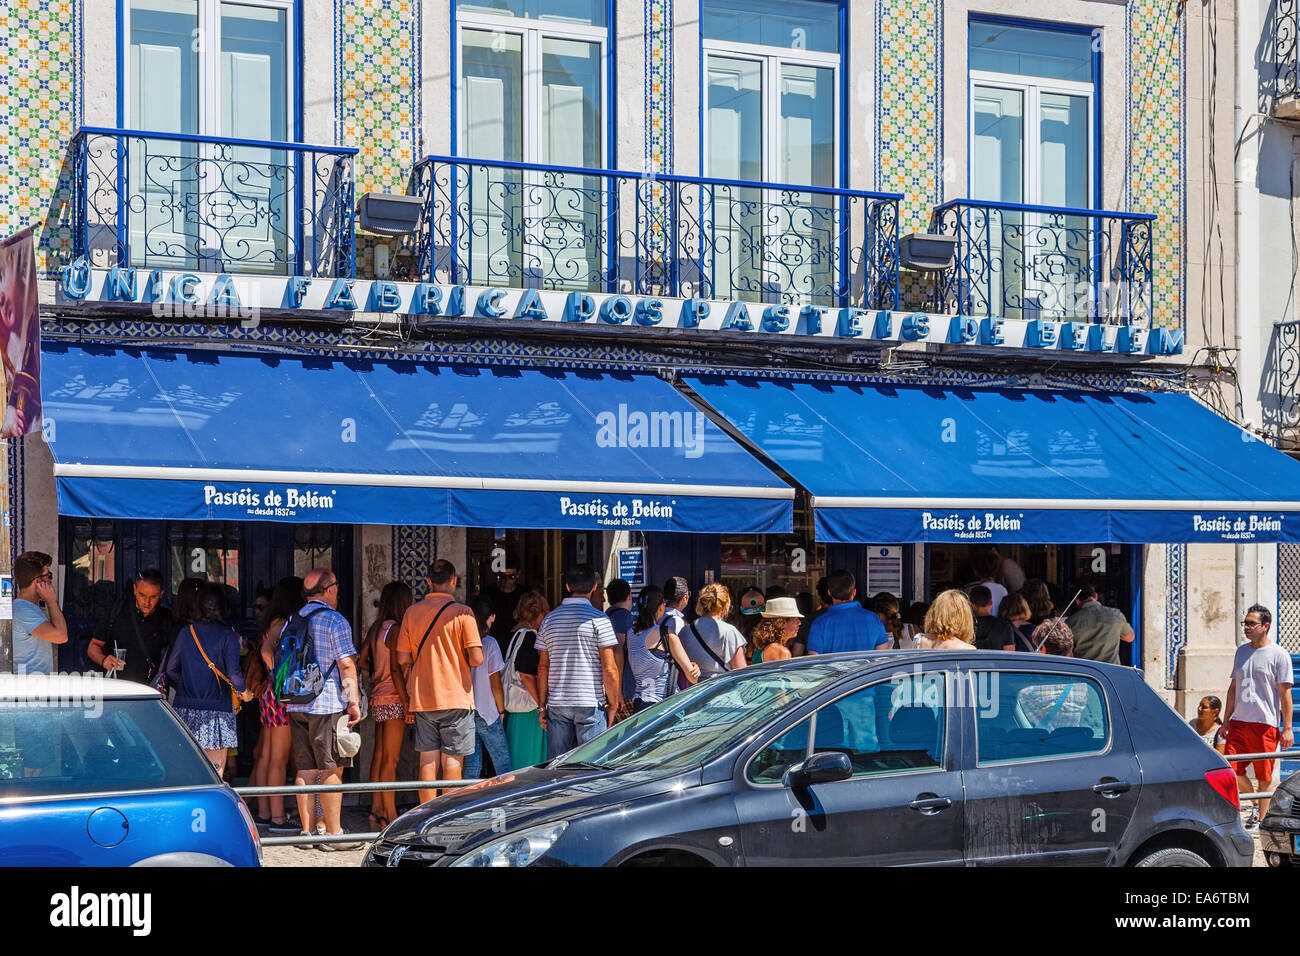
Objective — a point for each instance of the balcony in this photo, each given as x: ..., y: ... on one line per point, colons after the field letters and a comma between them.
x: 597, y: 230
x: 212, y: 204
x: 1282, y: 46
x: 1030, y: 262
x: 1280, y: 396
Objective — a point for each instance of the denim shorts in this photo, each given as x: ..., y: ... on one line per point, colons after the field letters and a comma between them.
x: 451, y: 731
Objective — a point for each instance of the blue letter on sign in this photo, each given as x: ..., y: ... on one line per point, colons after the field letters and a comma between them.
x: 121, y: 284
x: 579, y: 308
x: 616, y: 310
x: 530, y: 306
x: 694, y: 311
x: 428, y: 299
x: 649, y: 312
x: 340, y: 296
x: 76, y: 279
x: 489, y: 303
x: 851, y: 321
x: 916, y: 327
x: 776, y: 318
x: 738, y: 319
x: 384, y: 296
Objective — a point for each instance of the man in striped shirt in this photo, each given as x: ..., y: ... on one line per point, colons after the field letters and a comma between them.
x: 577, y: 675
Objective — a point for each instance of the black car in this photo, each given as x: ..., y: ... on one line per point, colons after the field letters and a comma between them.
x: 1279, y: 831
x: 897, y: 757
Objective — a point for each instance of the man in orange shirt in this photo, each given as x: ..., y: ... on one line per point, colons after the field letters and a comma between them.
x: 437, y: 645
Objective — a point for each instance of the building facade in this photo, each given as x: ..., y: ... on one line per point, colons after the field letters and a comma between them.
x: 1079, y: 162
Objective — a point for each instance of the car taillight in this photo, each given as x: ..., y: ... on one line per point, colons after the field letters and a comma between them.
x: 1224, y: 782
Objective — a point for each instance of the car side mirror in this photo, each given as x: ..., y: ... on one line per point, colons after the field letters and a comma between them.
x: 819, y: 768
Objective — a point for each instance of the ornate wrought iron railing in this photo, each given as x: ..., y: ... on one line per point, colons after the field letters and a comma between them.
x: 600, y: 230
x: 214, y: 204
x: 1052, y: 262
x: 1281, y: 398
x: 1284, y: 38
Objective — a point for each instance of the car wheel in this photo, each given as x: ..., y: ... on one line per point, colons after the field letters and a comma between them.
x: 1172, y: 856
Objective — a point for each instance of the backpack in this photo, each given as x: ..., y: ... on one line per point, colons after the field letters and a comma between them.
x: 297, y: 678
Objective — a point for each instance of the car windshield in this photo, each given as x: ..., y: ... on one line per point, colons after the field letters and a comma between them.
x: 97, y: 746
x: 690, y: 727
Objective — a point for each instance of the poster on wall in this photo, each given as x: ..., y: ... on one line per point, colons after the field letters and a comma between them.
x: 20, y: 335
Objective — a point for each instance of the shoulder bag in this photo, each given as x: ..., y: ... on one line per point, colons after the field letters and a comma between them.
x: 235, y: 700
x: 517, y: 698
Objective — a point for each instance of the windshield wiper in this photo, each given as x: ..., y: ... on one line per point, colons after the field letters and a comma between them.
x: 584, y: 765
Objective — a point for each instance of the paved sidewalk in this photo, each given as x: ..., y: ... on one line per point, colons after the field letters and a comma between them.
x: 355, y: 820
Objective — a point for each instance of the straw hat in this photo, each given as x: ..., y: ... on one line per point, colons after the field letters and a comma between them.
x: 782, y: 607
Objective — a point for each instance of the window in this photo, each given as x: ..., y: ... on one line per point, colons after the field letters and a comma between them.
x: 896, y: 725
x: 90, y: 579
x: 209, y: 68
x: 772, y: 93
x: 1032, y: 103
x: 114, y: 745
x: 1037, y: 716
x: 532, y: 90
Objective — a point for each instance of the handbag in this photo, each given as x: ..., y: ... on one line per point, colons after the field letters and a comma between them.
x: 255, y: 672
x: 235, y: 700
x: 517, y: 698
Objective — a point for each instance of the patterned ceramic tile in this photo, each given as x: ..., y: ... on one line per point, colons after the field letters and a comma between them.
x: 1175, y: 610
x: 377, y: 96
x: 659, y: 86
x: 40, y: 106
x: 909, y: 111
x: 414, y: 548
x: 1156, y: 128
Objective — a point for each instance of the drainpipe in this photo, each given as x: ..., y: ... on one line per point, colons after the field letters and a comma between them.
x: 1239, y: 119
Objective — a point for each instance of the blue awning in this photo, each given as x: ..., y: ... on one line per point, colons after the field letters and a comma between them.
x: 901, y: 464
x: 202, y: 435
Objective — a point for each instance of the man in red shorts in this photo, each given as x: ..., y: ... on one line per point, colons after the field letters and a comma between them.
x: 1259, y: 699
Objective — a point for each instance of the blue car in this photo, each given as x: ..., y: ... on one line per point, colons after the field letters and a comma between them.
x: 97, y: 772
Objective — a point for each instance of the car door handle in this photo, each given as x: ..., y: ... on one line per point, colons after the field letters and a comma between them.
x: 1110, y: 787
x: 929, y: 803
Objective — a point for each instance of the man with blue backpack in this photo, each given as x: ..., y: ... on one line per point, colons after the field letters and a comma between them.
x: 316, y: 678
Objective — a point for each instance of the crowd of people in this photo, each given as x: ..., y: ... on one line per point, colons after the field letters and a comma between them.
x: 507, y: 681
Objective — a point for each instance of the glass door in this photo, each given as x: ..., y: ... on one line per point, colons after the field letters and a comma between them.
x: 1032, y: 98
x: 771, y: 117
x: 210, y: 68
x: 532, y: 91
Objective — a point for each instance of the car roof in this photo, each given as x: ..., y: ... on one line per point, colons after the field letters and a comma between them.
x: 1018, y: 658
x: 71, y: 687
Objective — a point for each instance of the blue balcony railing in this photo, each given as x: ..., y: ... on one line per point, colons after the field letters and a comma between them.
x: 1026, y: 262
x: 213, y: 204
x: 599, y: 230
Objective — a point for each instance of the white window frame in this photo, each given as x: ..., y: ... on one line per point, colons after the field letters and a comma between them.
x: 771, y: 60
x: 532, y: 32
x: 1032, y: 89
x: 209, y: 36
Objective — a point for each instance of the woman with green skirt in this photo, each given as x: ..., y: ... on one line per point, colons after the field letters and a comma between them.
x: 524, y: 734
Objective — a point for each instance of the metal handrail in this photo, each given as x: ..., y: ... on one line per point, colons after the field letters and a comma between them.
x: 664, y: 177
x: 216, y: 140
x: 1053, y: 210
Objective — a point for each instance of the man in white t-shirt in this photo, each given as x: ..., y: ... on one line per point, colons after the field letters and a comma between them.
x: 1259, y: 700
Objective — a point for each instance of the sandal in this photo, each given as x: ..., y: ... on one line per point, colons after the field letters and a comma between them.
x: 378, y: 822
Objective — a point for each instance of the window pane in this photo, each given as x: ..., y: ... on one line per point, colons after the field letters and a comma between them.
x: 999, y: 145
x: 492, y: 95
x: 791, y: 24
x: 254, y: 85
x: 735, y: 119
x: 164, y: 66
x: 1031, y: 716
x: 571, y: 90
x: 807, y: 125
x: 897, y: 725
x: 1063, y: 150
x: 590, y: 12
x: 72, y: 747
x: 1025, y: 51
x: 770, y: 764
